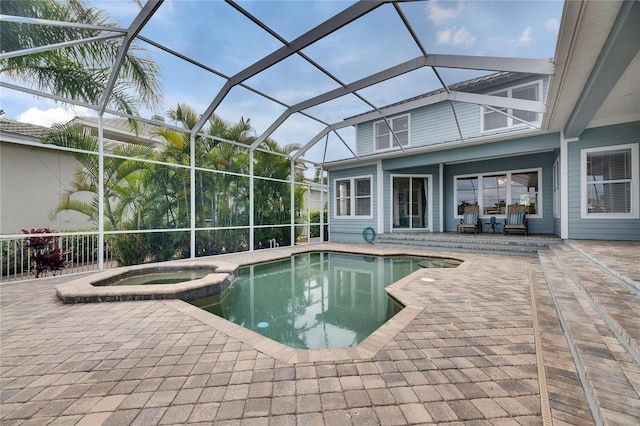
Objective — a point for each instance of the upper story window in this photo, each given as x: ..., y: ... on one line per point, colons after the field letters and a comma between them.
x: 385, y: 138
x: 353, y: 197
x: 610, y: 182
x: 492, y: 120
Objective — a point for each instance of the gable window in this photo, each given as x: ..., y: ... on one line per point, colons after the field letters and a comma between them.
x: 493, y: 120
x: 385, y: 138
x: 353, y: 197
x: 610, y: 182
x: 492, y: 192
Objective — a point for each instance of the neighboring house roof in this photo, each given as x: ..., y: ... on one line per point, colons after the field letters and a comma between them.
x: 120, y: 129
x: 18, y: 132
x: 10, y: 125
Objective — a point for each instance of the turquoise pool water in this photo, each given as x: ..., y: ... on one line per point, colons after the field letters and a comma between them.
x: 316, y: 300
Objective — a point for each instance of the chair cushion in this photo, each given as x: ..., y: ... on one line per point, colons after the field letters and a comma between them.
x: 515, y: 218
x: 470, y: 219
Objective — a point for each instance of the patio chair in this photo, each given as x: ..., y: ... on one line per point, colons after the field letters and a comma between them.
x: 516, y: 220
x: 470, y: 220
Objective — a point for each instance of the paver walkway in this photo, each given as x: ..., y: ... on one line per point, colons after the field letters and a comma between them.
x: 482, y: 351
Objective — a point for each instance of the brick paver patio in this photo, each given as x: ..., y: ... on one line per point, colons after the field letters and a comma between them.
x: 480, y: 350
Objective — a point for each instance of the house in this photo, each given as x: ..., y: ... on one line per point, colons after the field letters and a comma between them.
x: 563, y: 143
x: 33, y: 175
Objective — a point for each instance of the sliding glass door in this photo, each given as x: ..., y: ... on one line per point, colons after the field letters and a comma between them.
x: 410, y: 205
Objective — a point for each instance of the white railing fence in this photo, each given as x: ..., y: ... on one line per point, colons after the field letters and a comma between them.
x: 82, y: 248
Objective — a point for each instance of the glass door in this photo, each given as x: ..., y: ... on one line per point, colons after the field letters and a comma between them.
x: 410, y: 202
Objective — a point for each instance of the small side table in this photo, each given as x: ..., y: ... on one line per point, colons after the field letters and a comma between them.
x: 493, y: 223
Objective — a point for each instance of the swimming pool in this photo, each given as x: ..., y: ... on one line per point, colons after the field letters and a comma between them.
x: 316, y: 300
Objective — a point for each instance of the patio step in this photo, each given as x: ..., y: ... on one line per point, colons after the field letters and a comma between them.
x: 617, y: 300
x: 518, y: 245
x: 599, y: 316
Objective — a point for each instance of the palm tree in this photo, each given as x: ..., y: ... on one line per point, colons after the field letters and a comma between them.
x: 80, y: 72
x: 127, y: 203
x: 272, y: 200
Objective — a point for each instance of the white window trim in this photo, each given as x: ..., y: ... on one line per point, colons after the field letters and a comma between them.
x: 429, y: 178
x: 539, y: 206
x: 352, y: 198
x: 392, y: 142
x: 635, y: 183
x: 511, y: 123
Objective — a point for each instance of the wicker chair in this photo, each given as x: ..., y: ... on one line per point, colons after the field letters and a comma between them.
x: 516, y: 220
x: 470, y: 220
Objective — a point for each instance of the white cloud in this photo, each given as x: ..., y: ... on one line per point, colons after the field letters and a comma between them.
x: 439, y: 15
x: 552, y: 25
x: 42, y: 117
x: 456, y: 37
x: 525, y: 39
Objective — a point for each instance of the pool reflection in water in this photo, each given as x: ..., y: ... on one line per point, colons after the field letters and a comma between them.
x: 316, y: 300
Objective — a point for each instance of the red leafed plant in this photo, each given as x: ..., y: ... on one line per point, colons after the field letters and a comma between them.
x: 46, y: 257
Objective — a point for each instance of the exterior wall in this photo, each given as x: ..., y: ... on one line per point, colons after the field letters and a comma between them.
x: 485, y: 158
x: 434, y: 124
x: 349, y: 230
x: 32, y: 181
x: 599, y: 229
x: 544, y: 161
x: 314, y: 199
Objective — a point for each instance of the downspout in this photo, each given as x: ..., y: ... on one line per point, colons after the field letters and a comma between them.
x: 380, y: 197
x: 441, y: 195
x: 328, y: 208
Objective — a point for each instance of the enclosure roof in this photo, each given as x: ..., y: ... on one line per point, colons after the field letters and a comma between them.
x: 303, y: 72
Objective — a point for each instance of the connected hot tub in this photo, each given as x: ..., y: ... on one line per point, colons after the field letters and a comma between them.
x: 185, y: 280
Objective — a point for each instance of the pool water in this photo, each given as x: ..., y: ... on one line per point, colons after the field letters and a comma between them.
x: 315, y: 300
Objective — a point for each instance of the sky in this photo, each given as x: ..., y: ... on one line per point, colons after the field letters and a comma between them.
x: 216, y: 35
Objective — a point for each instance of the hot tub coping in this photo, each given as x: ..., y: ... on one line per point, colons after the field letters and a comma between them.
x: 83, y: 290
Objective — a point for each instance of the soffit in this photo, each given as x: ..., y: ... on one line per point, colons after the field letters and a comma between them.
x: 581, y: 45
x: 623, y: 103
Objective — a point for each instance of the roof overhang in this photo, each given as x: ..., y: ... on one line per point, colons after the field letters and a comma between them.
x: 596, y: 67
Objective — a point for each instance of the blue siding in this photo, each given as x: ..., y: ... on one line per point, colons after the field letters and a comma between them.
x: 350, y: 230
x: 478, y: 151
x: 599, y: 229
x: 364, y: 139
x: 542, y: 225
x: 435, y: 124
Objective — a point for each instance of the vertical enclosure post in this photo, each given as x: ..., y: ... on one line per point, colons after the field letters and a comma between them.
x: 292, y: 215
x: 101, y: 192
x: 192, y: 189
x: 251, y: 207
